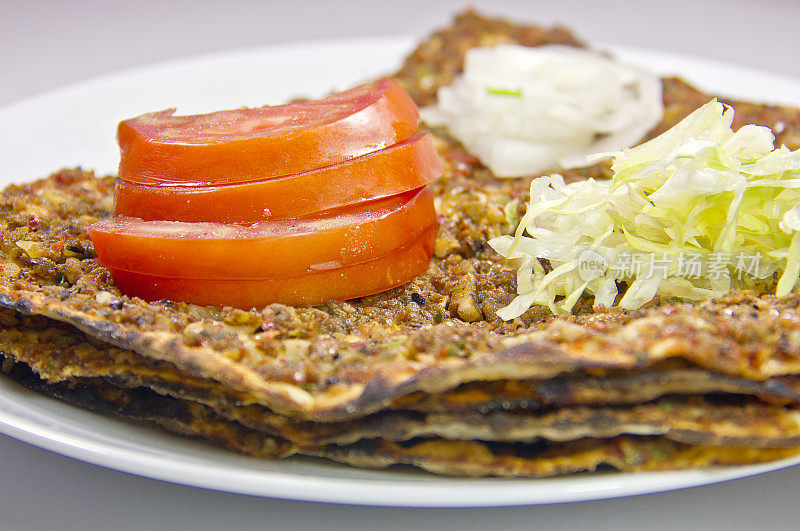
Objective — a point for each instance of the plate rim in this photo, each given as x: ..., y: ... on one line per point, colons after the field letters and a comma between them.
x: 388, y: 492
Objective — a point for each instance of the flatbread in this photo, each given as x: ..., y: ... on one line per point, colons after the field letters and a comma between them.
x: 59, y: 354
x: 582, y: 389
x: 456, y: 458
x: 695, y: 422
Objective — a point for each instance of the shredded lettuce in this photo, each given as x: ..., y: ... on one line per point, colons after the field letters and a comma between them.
x: 693, y: 213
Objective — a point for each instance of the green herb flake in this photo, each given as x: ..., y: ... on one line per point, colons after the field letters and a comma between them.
x: 504, y: 92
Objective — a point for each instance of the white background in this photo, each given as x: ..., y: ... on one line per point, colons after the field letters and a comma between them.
x: 47, y: 45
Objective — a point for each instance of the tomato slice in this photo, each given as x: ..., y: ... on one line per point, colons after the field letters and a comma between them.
x: 405, y: 166
x: 358, y: 280
x: 280, y: 248
x: 246, y: 145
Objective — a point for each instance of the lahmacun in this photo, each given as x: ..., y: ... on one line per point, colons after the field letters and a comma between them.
x: 425, y: 374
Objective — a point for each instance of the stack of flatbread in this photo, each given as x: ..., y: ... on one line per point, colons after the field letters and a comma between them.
x: 425, y: 374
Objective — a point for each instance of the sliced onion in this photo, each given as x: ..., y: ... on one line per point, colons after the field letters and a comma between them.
x: 524, y: 110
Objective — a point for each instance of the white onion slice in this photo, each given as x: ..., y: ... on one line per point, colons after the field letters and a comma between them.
x: 523, y: 111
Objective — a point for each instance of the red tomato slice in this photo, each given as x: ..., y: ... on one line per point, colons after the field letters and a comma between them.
x: 391, y: 270
x: 246, y: 145
x: 270, y: 249
x: 405, y: 166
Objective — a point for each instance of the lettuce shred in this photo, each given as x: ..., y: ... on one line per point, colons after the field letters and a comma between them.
x: 692, y: 213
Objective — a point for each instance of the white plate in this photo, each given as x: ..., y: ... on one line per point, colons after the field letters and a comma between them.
x: 75, y: 126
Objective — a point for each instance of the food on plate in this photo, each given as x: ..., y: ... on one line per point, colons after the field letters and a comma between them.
x: 247, y: 145
x: 711, y: 426
x: 268, y: 249
x: 693, y: 213
x: 407, y: 165
x: 355, y: 220
x: 59, y: 353
x: 320, y: 283
x: 428, y: 373
x: 458, y: 458
x: 524, y: 110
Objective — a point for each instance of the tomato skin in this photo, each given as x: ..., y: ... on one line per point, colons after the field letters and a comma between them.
x: 270, y: 249
x: 249, y: 145
x: 358, y: 280
x: 407, y: 165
